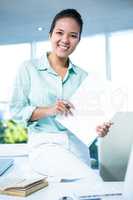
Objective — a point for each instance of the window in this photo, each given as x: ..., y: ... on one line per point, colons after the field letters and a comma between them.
x: 11, y: 58
x: 90, y: 55
x: 121, y: 49
x: 42, y: 47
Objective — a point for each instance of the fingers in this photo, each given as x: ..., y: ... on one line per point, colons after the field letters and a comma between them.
x: 60, y: 107
x: 63, y: 107
x: 108, y: 124
x: 103, y: 129
x: 68, y: 104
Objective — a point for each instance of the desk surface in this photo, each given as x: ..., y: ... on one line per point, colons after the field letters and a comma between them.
x: 55, y: 190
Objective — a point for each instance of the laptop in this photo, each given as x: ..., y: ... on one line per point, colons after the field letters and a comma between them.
x: 115, y: 148
x: 128, y: 190
x: 110, y: 190
x: 5, y: 164
x: 118, y: 190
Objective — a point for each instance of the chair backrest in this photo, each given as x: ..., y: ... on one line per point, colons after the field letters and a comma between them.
x: 115, y: 148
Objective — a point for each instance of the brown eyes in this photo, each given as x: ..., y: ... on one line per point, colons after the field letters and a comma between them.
x: 70, y: 35
x: 74, y: 36
x: 59, y: 33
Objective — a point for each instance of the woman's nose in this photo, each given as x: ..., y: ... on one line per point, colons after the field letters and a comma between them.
x: 65, y: 38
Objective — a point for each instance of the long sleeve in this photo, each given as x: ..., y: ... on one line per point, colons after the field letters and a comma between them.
x: 20, y: 108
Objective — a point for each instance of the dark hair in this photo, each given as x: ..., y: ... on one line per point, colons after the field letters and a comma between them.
x: 72, y: 13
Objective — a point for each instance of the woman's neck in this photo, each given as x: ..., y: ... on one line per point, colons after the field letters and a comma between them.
x: 56, y: 61
x: 60, y: 65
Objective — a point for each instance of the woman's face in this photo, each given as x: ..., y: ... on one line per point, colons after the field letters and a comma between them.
x: 65, y: 37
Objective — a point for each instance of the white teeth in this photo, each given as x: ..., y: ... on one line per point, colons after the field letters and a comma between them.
x: 63, y: 47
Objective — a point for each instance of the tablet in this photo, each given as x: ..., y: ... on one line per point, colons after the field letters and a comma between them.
x: 5, y: 164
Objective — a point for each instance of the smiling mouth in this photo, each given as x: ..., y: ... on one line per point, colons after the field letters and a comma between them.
x: 63, y: 47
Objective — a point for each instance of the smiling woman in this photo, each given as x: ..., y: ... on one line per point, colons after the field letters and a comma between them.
x: 43, y: 86
x: 65, y: 37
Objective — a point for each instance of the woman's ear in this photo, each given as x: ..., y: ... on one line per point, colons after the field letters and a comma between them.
x: 49, y: 35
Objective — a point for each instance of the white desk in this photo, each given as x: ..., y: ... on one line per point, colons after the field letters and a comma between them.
x: 56, y: 189
x: 57, y: 161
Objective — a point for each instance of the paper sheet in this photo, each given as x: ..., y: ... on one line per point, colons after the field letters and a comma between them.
x: 95, y: 102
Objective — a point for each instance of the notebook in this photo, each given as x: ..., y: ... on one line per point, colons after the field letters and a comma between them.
x: 5, y: 164
x: 21, y: 186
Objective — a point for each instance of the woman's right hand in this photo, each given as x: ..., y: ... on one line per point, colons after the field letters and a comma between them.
x: 62, y: 107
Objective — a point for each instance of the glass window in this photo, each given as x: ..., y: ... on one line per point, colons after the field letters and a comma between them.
x: 90, y: 55
x: 121, y: 49
x: 11, y: 58
x: 42, y: 48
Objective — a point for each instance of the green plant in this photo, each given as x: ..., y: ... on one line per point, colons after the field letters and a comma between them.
x: 12, y: 132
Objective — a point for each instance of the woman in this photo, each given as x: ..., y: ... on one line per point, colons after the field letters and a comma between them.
x: 44, y: 86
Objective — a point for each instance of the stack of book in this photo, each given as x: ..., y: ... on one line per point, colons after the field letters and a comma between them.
x: 21, y: 186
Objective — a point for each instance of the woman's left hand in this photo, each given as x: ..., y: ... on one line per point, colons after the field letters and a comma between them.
x: 103, y: 129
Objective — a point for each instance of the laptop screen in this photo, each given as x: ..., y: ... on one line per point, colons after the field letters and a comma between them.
x: 115, y: 148
x: 128, y: 187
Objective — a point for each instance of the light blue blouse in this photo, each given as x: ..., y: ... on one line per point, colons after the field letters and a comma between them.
x: 37, y: 84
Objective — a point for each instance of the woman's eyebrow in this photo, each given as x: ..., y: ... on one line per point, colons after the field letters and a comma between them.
x: 72, y: 32
x: 75, y: 33
x: 59, y: 29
